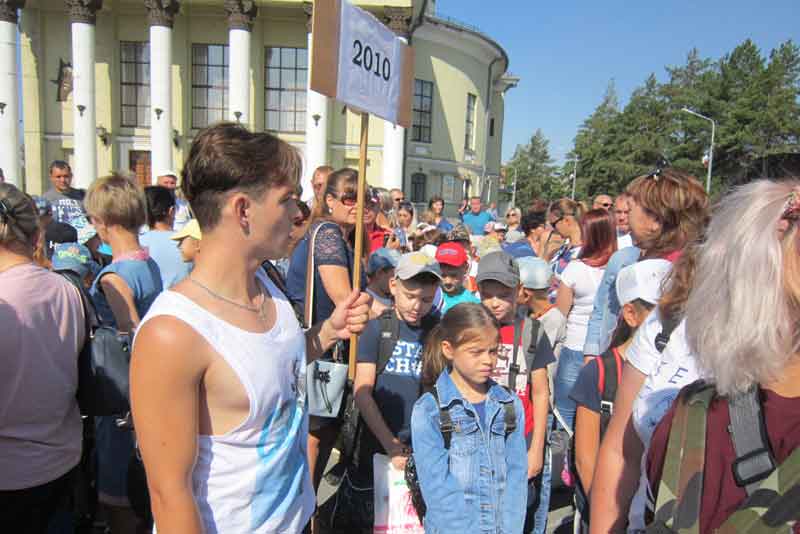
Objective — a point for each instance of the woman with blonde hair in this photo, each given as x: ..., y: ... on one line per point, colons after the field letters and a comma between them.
x: 742, y: 324
x: 122, y: 294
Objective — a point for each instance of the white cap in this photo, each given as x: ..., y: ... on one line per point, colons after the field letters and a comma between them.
x: 534, y: 273
x: 429, y: 250
x: 642, y: 280
x: 500, y: 226
x: 167, y: 172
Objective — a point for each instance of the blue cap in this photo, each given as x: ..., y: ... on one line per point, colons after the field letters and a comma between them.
x: 74, y: 257
x: 534, y: 273
x: 383, y: 258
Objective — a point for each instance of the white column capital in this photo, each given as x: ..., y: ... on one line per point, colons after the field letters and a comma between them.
x: 84, y: 11
x: 162, y: 12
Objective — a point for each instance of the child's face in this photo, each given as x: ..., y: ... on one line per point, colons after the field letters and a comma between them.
x: 404, y: 218
x: 413, y: 300
x: 500, y: 299
x: 473, y: 360
x: 453, y: 278
x: 189, y: 247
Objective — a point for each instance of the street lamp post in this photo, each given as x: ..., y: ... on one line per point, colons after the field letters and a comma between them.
x: 711, y: 150
x: 514, y: 191
x: 574, y: 177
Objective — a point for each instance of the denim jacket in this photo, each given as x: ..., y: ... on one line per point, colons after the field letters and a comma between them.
x: 605, y: 312
x: 480, y: 484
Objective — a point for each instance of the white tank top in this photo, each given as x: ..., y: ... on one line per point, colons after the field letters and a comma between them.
x: 254, y: 478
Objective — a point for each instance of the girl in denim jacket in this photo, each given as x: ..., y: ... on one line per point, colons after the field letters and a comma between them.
x: 479, y: 482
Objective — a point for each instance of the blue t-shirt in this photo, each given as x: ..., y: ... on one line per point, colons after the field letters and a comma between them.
x: 452, y: 300
x: 397, y: 388
x: 165, y: 253
x: 142, y: 277
x: 476, y: 223
x: 519, y: 249
x: 444, y: 225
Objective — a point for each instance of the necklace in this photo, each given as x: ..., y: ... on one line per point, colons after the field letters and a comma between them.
x: 253, y: 309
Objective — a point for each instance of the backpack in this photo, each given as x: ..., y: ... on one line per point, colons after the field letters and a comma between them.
x: 609, y: 376
x: 389, y: 332
x: 446, y: 427
x: 773, y: 499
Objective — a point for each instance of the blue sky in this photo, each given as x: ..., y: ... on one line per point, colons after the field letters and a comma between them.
x: 565, y: 52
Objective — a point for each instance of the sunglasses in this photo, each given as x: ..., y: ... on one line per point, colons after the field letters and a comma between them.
x: 561, y: 218
x: 399, y: 199
x: 348, y: 199
x: 606, y: 204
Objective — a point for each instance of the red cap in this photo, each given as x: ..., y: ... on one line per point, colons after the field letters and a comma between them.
x: 452, y: 254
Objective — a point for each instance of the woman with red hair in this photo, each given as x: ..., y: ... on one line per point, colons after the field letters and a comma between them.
x: 575, y: 299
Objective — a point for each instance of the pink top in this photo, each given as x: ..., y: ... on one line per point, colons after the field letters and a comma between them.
x: 41, y: 331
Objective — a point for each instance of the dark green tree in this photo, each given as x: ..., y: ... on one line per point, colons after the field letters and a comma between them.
x: 533, y: 170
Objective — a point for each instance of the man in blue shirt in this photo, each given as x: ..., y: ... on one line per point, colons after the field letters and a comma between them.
x: 476, y: 219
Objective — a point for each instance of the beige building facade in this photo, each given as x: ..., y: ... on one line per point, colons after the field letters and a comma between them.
x: 162, y: 70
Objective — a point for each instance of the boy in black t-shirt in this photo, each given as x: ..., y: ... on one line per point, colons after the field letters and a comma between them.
x: 386, y: 398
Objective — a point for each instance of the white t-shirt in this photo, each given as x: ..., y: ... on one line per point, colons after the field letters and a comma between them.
x: 666, y: 373
x: 584, y: 280
x: 624, y: 241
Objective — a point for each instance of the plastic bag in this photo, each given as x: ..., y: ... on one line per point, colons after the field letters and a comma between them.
x: 394, y: 512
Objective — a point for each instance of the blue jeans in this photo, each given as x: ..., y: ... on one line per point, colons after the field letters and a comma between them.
x: 570, y: 363
x: 544, y: 491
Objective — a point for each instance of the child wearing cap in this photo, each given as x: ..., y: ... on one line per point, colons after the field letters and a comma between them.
x: 638, y: 290
x: 188, y: 239
x: 536, y: 276
x: 454, y: 264
x: 380, y: 271
x: 387, y: 382
x: 75, y: 258
x: 521, y: 361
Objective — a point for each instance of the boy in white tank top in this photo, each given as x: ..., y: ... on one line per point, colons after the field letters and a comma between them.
x: 218, y: 366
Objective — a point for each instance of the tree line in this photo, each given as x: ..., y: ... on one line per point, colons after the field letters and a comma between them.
x: 755, y: 101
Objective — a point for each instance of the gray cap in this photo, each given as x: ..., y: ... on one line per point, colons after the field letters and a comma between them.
x: 416, y: 263
x: 499, y: 266
x: 535, y: 273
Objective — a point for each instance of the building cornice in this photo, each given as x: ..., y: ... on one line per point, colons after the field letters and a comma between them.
x: 462, y: 38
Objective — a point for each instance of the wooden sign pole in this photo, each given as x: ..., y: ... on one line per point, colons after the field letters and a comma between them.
x: 359, y: 246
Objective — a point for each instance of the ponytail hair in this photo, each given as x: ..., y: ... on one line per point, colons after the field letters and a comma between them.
x: 19, y: 219
x: 462, y: 323
x: 623, y: 332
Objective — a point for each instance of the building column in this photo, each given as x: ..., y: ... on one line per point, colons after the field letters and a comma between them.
x: 316, y: 149
x: 398, y: 19
x: 161, y: 16
x: 83, y: 15
x: 241, y: 14
x: 9, y: 92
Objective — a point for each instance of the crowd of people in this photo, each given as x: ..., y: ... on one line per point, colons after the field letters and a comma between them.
x: 640, y: 354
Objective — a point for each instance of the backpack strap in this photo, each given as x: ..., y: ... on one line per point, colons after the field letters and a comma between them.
x: 681, y: 487
x: 513, y: 369
x: 668, y: 325
x: 774, y: 506
x: 754, y: 460
x: 510, y: 418
x: 446, y: 426
x: 389, y: 334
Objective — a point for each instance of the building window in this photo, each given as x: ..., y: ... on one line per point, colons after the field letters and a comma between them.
x: 491, y: 127
x: 135, y: 84
x: 418, y: 181
x: 469, y: 138
x: 209, y: 84
x: 423, y: 107
x: 285, y: 98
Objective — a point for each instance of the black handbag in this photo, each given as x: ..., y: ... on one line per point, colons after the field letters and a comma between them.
x: 103, y: 363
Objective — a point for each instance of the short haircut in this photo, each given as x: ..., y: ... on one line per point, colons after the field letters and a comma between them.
x: 326, y: 169
x: 532, y: 220
x: 475, y: 197
x: 159, y: 201
x: 434, y: 199
x: 227, y: 158
x: 59, y: 164
x: 117, y: 200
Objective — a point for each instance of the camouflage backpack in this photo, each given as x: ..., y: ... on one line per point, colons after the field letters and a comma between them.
x: 773, y: 492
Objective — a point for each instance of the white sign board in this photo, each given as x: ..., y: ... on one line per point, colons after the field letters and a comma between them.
x: 370, y: 64
x: 359, y: 61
